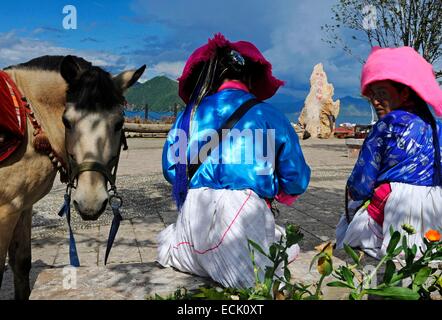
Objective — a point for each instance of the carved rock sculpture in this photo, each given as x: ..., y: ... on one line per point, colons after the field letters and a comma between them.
x: 318, y: 117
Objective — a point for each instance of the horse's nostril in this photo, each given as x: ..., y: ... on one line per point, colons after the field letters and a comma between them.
x: 90, y: 213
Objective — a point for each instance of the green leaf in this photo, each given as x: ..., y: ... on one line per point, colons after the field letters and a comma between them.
x: 397, y: 251
x: 273, y: 252
x: 315, y: 258
x: 397, y: 293
x: 436, y: 256
x: 339, y: 284
x: 391, y: 231
x: 422, y: 276
x: 287, y: 274
x: 348, y: 276
x: 257, y: 247
x: 352, y: 253
x: 390, y: 269
x: 395, y: 238
x: 293, y: 235
x: 269, y: 274
x: 414, y: 249
x: 268, y: 284
x: 353, y: 296
x: 158, y: 297
x: 404, y: 243
x: 409, y: 256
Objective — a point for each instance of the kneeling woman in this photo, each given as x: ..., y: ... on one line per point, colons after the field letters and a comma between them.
x: 222, y: 198
x: 399, y: 167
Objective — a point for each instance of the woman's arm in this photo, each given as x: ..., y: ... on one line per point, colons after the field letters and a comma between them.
x: 362, y: 180
x: 292, y: 170
x: 174, y: 147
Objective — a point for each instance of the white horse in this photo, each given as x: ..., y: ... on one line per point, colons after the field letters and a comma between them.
x: 80, y: 109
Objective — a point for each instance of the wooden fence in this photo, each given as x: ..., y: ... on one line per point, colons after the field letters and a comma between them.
x: 151, y: 130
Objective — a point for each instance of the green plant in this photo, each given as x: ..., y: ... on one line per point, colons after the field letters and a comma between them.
x: 422, y: 277
x: 273, y: 286
x: 324, y: 261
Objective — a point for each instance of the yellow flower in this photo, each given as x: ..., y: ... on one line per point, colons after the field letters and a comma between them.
x: 326, y: 247
x: 433, y: 235
x: 325, y: 266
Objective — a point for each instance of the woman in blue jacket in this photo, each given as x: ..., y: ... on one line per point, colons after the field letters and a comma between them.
x: 398, y: 174
x: 223, y: 184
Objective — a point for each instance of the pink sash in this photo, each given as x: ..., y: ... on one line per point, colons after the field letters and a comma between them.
x: 377, y: 204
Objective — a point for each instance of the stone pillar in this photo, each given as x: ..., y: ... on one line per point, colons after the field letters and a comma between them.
x: 318, y: 117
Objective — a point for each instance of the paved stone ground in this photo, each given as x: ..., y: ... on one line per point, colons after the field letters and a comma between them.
x: 131, y: 272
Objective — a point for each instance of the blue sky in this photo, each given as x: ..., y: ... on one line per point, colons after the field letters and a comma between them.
x: 118, y: 35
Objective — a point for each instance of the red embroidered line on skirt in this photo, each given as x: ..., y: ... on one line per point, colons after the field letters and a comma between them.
x: 372, y: 228
x: 224, y: 235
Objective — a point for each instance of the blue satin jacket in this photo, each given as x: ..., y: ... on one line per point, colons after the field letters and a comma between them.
x: 398, y: 149
x: 246, y: 162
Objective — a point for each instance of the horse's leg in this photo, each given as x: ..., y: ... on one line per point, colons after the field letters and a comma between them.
x: 8, y: 221
x: 20, y: 255
x: 2, y: 265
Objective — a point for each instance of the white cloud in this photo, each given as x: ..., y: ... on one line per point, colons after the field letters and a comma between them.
x: 15, y: 50
x: 170, y: 69
x: 287, y: 31
x: 297, y: 46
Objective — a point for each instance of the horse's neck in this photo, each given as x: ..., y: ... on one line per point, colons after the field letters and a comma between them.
x: 46, y: 93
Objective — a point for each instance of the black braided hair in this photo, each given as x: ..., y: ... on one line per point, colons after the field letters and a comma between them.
x: 225, y: 64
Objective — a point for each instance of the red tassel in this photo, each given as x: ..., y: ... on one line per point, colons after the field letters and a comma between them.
x: 41, y: 142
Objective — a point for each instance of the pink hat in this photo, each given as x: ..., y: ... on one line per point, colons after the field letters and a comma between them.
x: 406, y: 66
x: 264, y: 84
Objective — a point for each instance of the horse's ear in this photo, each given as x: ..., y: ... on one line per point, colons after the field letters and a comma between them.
x: 127, y: 79
x: 69, y: 69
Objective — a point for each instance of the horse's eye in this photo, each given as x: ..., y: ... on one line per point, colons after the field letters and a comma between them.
x: 119, y: 126
x: 66, y: 123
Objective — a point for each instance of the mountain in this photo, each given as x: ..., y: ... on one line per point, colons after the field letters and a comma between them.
x: 160, y: 93
x: 286, y: 103
x: 353, y: 109
x: 357, y: 107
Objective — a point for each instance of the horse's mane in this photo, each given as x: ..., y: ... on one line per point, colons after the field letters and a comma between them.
x: 49, y: 63
x: 93, y: 89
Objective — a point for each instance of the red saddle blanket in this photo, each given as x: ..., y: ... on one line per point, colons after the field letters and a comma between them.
x: 12, y: 117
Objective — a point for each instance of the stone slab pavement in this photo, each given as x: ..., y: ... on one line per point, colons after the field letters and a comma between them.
x: 132, y: 272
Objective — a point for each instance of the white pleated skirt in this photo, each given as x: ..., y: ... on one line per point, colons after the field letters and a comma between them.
x: 418, y: 206
x: 210, y: 236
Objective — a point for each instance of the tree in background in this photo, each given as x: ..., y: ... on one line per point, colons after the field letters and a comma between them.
x: 388, y: 23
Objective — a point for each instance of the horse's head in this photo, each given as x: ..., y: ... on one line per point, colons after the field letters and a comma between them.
x: 93, y: 120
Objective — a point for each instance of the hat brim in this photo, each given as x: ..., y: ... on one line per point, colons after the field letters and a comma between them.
x: 403, y: 65
x: 263, y: 84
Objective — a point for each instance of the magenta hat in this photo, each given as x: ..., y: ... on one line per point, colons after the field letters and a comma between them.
x: 406, y: 66
x: 264, y: 84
